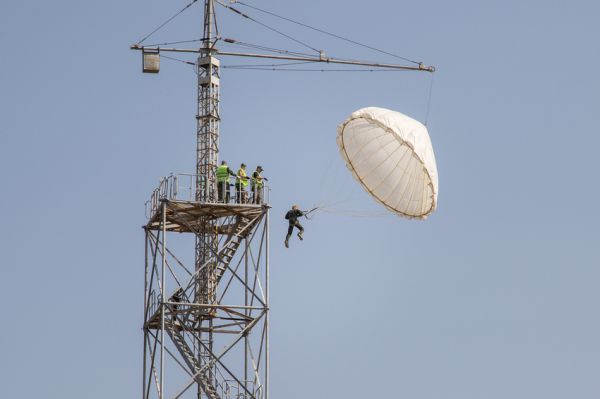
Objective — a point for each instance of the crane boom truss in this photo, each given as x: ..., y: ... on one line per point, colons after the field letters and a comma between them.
x: 321, y: 58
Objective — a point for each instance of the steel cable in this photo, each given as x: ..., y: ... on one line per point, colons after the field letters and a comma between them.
x: 312, y: 70
x: 167, y: 21
x: 177, y: 59
x: 266, y: 26
x: 429, y: 100
x: 234, y: 42
x: 177, y: 42
x: 327, y: 33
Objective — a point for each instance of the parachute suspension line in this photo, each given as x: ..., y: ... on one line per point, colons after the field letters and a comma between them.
x: 310, y: 213
x: 265, y: 25
x: 344, y: 212
x: 331, y: 185
x: 333, y: 188
x: 356, y: 214
x: 327, y: 182
x: 167, y: 21
x: 429, y: 99
x: 328, y: 33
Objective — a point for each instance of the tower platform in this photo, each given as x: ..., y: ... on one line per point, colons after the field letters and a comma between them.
x: 192, y: 216
x: 184, y: 214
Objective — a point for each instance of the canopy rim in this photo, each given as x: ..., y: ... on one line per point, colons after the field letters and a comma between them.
x: 402, y: 142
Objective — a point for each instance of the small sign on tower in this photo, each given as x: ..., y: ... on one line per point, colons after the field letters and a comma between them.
x: 151, y: 61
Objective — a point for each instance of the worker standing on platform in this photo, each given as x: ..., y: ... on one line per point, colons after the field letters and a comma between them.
x: 292, y: 217
x: 258, y: 185
x: 241, y: 183
x: 223, y: 173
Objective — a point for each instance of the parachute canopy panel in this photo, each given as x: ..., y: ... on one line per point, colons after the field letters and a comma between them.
x: 391, y: 156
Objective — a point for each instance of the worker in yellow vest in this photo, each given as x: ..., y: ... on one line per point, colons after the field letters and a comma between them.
x: 241, y: 184
x: 258, y: 185
x: 223, y: 172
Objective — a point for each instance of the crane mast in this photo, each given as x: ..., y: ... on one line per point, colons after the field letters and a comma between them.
x: 208, y: 117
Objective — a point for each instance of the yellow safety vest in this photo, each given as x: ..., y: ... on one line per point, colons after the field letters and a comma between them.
x: 223, y: 174
x: 257, y: 181
x: 241, y: 174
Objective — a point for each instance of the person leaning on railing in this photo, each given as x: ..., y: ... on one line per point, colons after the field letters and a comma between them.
x: 258, y: 185
x: 223, y: 173
x: 241, y: 184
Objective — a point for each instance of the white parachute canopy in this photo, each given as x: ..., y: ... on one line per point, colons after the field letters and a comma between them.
x: 391, y: 156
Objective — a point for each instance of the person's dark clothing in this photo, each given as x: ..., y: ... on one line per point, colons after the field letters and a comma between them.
x: 293, y: 214
x: 257, y: 188
x: 177, y: 299
x: 223, y: 192
x: 241, y: 193
x: 291, y: 226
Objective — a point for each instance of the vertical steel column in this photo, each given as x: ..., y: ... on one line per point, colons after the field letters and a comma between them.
x: 267, y: 321
x: 208, y: 118
x: 145, y: 353
x: 163, y: 300
x: 246, y: 312
x: 207, y: 150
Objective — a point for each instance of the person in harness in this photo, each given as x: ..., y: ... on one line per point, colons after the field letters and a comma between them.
x: 292, y: 216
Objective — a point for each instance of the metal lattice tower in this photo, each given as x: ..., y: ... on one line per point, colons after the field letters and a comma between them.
x: 205, y: 326
x: 206, y: 313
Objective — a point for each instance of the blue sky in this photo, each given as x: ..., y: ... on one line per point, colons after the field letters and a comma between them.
x: 494, y: 296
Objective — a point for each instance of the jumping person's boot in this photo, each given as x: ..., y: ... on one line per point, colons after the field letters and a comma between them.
x: 287, y: 244
x: 300, y: 236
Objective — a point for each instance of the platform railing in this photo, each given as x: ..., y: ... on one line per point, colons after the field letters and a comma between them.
x: 232, y: 389
x: 182, y: 187
x: 153, y: 303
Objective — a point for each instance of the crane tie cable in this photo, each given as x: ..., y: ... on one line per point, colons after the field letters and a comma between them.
x: 179, y: 60
x: 266, y: 26
x: 167, y: 21
x: 265, y: 48
x: 243, y: 66
x: 250, y: 67
x: 177, y: 42
x: 327, y: 33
